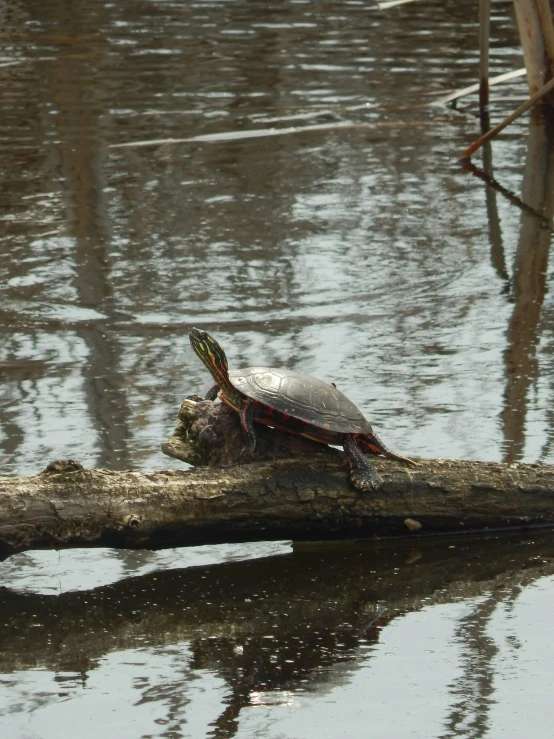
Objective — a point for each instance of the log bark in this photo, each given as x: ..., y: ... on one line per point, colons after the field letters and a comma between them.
x: 275, y: 496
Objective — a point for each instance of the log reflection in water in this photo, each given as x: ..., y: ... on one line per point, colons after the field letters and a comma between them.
x: 277, y: 623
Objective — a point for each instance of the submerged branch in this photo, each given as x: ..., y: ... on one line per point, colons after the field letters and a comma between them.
x: 511, y: 197
x: 257, y: 133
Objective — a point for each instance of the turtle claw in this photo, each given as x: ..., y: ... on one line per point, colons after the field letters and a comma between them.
x: 247, y: 452
x: 366, y: 480
x: 212, y: 392
x: 363, y: 475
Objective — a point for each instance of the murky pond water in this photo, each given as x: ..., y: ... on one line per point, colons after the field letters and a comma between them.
x: 303, y: 200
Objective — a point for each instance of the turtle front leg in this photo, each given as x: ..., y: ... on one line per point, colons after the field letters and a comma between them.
x: 247, y: 414
x: 212, y: 392
x: 363, y: 474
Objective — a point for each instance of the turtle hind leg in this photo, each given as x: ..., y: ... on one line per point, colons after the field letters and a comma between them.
x: 376, y: 446
x: 363, y: 474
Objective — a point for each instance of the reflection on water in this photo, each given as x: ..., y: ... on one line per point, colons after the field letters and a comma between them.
x: 198, y: 649
x: 363, y: 255
x: 529, y: 288
x: 55, y: 572
x: 359, y: 255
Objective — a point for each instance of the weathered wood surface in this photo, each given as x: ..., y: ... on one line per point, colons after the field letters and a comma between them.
x: 301, y: 498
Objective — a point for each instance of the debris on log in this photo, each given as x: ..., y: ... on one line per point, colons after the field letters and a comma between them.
x: 209, y: 435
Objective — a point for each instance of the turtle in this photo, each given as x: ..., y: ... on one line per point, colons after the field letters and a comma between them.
x: 295, y: 403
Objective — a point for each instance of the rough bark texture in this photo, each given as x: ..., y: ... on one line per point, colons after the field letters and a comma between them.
x: 303, y: 497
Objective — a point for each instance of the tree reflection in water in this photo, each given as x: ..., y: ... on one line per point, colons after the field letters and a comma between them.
x: 277, y: 627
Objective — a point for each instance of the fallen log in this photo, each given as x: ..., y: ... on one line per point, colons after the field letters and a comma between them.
x: 292, y: 489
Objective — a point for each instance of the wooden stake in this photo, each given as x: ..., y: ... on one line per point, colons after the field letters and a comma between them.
x: 536, y: 32
x: 484, y: 33
x: 543, y: 7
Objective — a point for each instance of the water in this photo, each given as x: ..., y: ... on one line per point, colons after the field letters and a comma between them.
x: 351, y: 245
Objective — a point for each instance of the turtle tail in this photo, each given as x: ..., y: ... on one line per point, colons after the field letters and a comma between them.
x: 374, y: 444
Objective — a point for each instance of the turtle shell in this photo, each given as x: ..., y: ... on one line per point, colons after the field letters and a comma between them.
x: 301, y: 396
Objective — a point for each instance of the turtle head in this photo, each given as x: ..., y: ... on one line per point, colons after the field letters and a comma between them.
x: 211, y: 354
